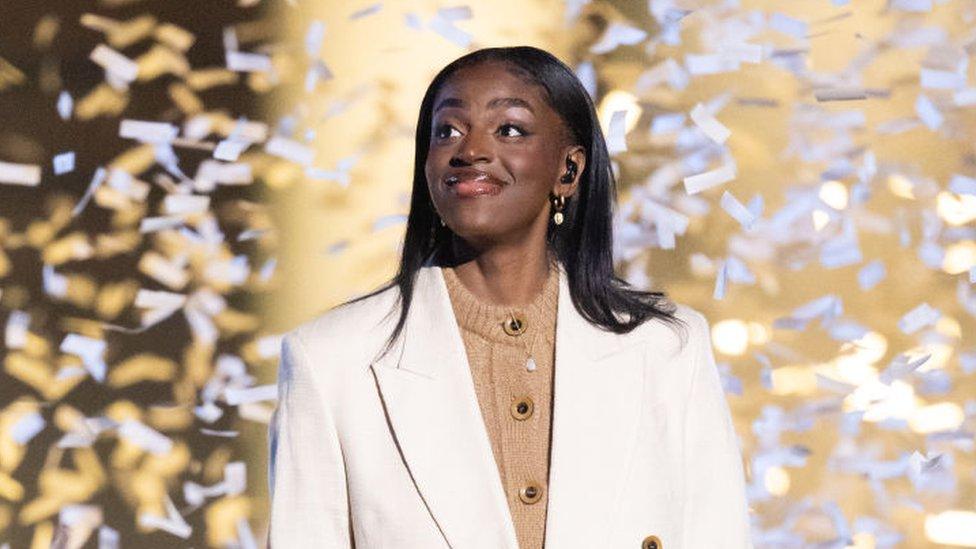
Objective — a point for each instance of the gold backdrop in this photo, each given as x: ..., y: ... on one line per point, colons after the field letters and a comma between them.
x: 803, y: 173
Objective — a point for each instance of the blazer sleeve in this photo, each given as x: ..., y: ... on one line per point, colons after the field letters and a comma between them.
x: 306, y: 474
x: 715, y: 510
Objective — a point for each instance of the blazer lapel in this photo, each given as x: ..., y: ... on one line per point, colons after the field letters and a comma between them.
x: 429, y: 394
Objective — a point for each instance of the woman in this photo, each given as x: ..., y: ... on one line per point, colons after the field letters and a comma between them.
x: 505, y: 389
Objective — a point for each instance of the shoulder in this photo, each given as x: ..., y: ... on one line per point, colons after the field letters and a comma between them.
x: 349, y: 330
x: 688, y: 327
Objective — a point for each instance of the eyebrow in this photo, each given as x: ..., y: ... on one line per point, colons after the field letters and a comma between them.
x: 494, y: 103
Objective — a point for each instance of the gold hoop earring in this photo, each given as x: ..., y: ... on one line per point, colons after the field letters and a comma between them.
x: 559, y: 203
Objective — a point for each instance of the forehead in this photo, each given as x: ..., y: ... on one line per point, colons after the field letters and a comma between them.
x: 481, y: 82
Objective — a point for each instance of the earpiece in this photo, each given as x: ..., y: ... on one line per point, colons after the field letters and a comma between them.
x: 570, y: 172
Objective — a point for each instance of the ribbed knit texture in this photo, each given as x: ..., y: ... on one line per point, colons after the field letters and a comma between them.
x: 497, y: 361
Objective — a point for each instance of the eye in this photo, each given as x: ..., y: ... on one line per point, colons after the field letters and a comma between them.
x: 438, y: 132
x: 505, y: 127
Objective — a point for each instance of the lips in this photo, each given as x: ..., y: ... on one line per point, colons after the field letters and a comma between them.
x: 471, y: 183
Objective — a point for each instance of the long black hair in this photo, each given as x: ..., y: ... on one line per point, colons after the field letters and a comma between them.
x: 584, y: 241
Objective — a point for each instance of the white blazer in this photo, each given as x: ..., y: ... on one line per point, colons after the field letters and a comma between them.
x: 394, y: 454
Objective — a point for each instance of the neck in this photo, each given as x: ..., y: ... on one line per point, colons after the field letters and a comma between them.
x: 502, y: 275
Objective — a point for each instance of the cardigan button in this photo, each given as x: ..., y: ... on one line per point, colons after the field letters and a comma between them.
x: 515, y: 325
x: 522, y: 408
x: 530, y: 493
x: 652, y: 542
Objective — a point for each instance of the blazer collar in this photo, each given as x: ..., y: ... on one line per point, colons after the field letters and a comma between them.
x: 431, y: 314
x: 426, y: 387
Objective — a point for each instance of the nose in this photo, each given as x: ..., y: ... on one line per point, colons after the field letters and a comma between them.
x: 474, y: 148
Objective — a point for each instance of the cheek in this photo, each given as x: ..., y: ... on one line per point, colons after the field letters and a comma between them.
x: 533, y: 167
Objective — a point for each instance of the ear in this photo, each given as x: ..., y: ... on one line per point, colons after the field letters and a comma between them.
x: 577, y: 155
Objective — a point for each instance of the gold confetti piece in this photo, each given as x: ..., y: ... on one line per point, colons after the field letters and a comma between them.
x: 161, y: 60
x: 174, y: 36
x: 103, y: 100
x: 45, y: 30
x: 204, y: 79
x: 141, y: 367
x: 10, y: 489
x: 71, y: 247
x: 184, y: 98
x: 165, y: 271
x: 113, y: 297
x: 221, y: 517
x: 10, y: 75
x: 120, y: 34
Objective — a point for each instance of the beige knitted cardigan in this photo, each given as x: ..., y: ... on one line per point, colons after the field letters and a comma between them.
x: 516, y: 403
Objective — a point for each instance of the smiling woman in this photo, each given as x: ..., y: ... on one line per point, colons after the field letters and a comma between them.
x: 615, y: 433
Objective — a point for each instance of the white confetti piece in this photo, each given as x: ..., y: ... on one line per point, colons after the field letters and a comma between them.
x: 713, y: 178
x: 251, y: 394
x: 444, y: 27
x: 218, y: 433
x: 15, y: 334
x: 240, y: 61
x: 871, y: 274
x: 114, y: 63
x: 918, y: 318
x: 173, y: 522
x: 616, y: 135
x: 27, y: 427
x: 108, y: 538
x: 738, y: 212
x: 55, y: 284
x: 145, y: 437
x: 90, y: 350
x: 715, y: 130
x: 81, y: 521
x: 711, y: 63
x: 65, y: 105
x: 455, y: 13
x: 184, y: 204
x: 667, y: 123
x: 234, y: 173
x: 148, y: 132
x: 314, y: 37
x: 788, y: 25
x: 917, y: 6
x: 928, y: 112
x: 230, y: 150
x: 961, y: 184
x: 290, y: 150
x: 618, y: 34
x: 20, y: 174
x: 64, y: 163
x: 941, y: 80
x: 901, y: 366
x: 720, y: 281
x: 245, y: 537
x: 964, y: 97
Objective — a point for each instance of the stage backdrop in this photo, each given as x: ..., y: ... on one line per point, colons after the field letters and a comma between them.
x: 181, y: 183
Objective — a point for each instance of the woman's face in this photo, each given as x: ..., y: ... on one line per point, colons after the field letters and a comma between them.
x: 496, y: 154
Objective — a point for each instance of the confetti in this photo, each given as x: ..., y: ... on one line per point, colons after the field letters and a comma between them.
x: 115, y: 64
x: 64, y: 163
x: 703, y: 181
x: 918, y: 318
x: 618, y: 34
x: 20, y: 174
x: 616, y: 136
x: 148, y: 132
x: 714, y: 129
